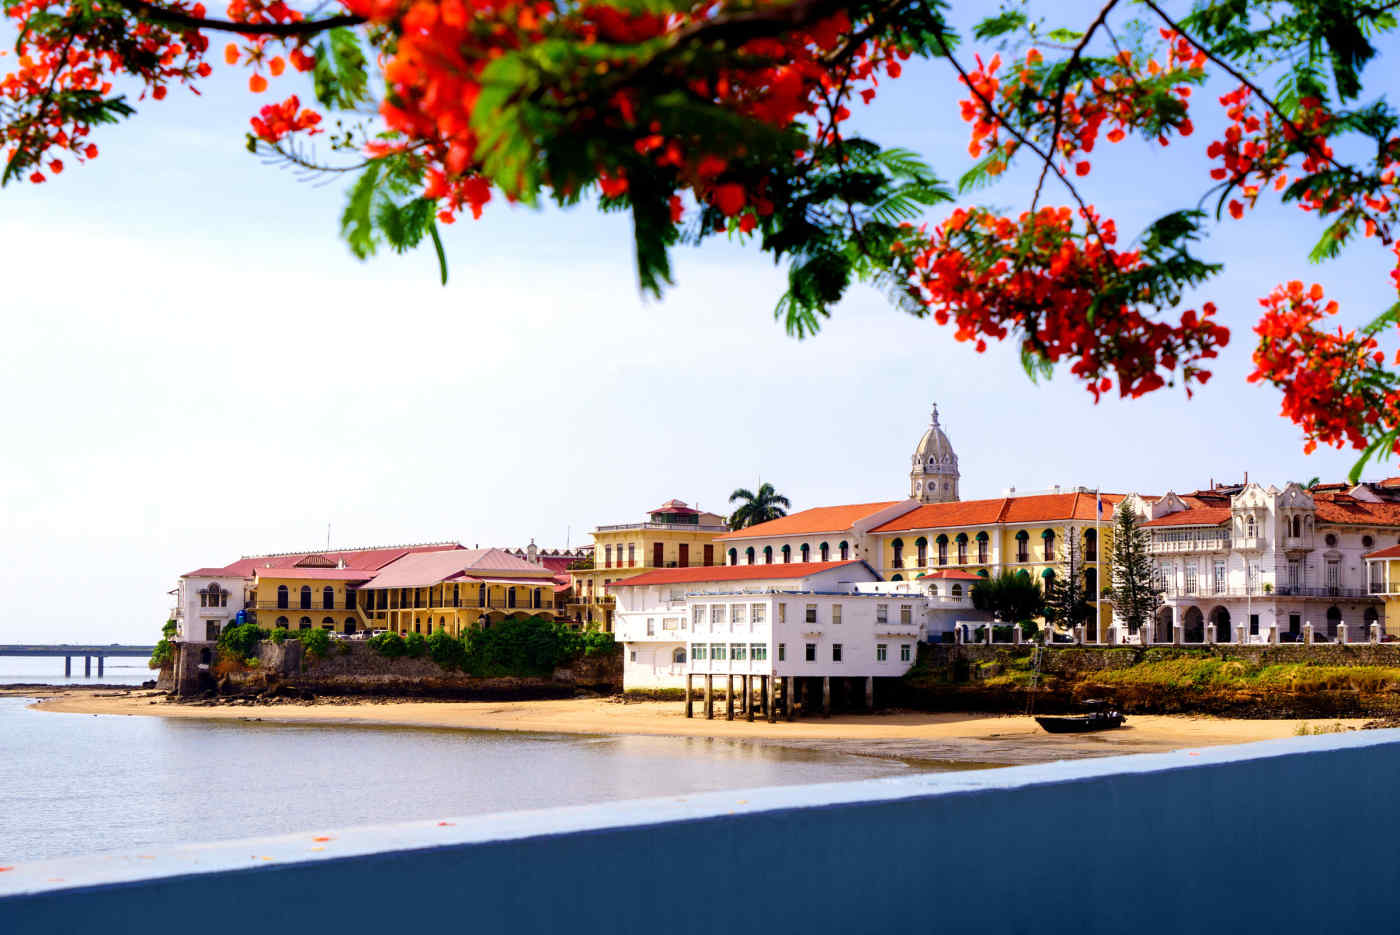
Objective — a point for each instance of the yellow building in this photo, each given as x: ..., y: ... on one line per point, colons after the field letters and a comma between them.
x: 1383, y: 580
x: 456, y: 590
x: 674, y: 535
x: 1029, y: 533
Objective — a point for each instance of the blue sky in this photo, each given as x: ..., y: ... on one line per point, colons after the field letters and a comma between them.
x: 195, y: 368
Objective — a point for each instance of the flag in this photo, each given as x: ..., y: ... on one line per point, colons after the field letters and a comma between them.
x: 1098, y: 505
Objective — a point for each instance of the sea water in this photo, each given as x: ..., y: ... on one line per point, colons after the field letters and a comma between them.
x: 75, y: 784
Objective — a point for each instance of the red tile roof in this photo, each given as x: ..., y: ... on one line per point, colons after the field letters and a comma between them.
x: 1346, y: 510
x: 1035, y: 508
x: 1392, y: 552
x: 673, y: 506
x: 370, y: 559
x: 429, y: 568
x: 1200, y: 516
x: 318, y: 574
x: 807, y: 522
x: 731, y: 573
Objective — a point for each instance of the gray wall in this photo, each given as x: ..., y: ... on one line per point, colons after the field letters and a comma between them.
x: 1282, y: 836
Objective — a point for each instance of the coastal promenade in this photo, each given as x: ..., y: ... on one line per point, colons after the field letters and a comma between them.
x: 1196, y: 839
x: 68, y: 650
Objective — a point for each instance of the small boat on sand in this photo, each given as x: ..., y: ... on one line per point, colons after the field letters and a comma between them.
x: 1102, y: 716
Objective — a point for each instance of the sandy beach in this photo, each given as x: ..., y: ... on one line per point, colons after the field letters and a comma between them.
x: 964, y: 738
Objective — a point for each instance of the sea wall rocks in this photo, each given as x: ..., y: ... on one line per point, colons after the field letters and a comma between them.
x: 1310, y: 681
x: 352, y: 668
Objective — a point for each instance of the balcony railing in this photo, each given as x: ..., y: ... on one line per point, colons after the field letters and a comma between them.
x: 1258, y: 591
x: 1193, y: 544
x: 680, y: 527
x: 493, y: 603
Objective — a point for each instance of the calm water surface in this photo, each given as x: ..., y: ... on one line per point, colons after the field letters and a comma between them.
x: 23, y: 670
x: 76, y: 784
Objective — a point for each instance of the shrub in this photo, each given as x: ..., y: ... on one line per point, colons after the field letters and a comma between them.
x: 522, y: 646
x: 169, y: 629
x: 315, y: 642
x: 279, y: 635
x: 415, y: 646
x: 162, y: 655
x: 446, y: 650
x: 242, y: 641
x: 597, y: 643
x: 388, y: 645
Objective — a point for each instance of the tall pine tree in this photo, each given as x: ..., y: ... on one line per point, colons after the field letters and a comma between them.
x: 1066, y: 599
x: 1135, y: 597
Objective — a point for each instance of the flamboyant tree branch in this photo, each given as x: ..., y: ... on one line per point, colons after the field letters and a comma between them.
x: 155, y: 13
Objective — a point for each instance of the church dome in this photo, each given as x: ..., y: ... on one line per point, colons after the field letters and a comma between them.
x: 934, y: 478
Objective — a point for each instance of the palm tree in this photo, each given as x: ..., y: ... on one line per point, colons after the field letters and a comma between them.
x: 757, y: 507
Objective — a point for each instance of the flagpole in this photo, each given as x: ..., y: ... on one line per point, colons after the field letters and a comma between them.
x: 1098, y: 561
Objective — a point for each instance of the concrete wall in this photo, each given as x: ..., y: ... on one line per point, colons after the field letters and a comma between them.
x: 1283, y: 836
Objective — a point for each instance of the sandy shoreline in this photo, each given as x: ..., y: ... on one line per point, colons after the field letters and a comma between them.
x: 910, y: 736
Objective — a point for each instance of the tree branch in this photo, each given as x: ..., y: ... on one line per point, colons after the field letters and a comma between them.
x: 1074, y: 57
x: 155, y: 13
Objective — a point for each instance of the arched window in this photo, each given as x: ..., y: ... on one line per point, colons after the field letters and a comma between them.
x: 921, y: 552
x: 734, y: 556
x: 306, y: 597
x: 962, y: 548
x: 767, y: 555
x: 942, y: 549
x: 806, y: 553
x: 845, y: 550
x: 1297, y: 527
x: 825, y: 551
x: 282, y: 623
x: 1048, y: 577
x: 1091, y: 546
x: 748, y: 555
x: 896, y: 577
x: 281, y: 597
x: 328, y: 598
x: 933, y: 590
x: 678, y: 656
x: 305, y: 623
x: 327, y: 624
x: 1048, y: 536
x: 787, y: 555
x: 982, y: 541
x: 957, y: 590
x: 1250, y: 527
x: 898, y: 546
x: 1023, y: 546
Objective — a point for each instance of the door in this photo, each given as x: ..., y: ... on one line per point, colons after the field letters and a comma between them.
x: 656, y: 554
x: 684, y: 561
x: 710, y: 555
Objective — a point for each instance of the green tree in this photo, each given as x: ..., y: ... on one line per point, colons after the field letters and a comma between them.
x: 1067, y: 602
x: 1013, y: 597
x: 1135, y: 599
x: 754, y: 508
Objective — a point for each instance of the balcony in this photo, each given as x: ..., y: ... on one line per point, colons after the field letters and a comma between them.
x: 1190, y: 544
x: 1258, y: 592
x: 1297, y: 543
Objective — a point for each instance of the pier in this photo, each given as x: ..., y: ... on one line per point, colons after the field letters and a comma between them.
x: 68, y: 650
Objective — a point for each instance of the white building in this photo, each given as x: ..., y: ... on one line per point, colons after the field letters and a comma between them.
x: 1235, y: 561
x: 207, y: 601
x: 785, y: 620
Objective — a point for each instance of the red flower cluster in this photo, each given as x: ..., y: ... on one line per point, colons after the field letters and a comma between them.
x: 61, y: 51
x: 1335, y: 386
x: 1119, y: 99
x: 277, y: 120
x: 1039, y: 278
x: 443, y: 46
x: 1255, y: 151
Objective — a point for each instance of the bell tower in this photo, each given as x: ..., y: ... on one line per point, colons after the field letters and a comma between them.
x: 934, y: 476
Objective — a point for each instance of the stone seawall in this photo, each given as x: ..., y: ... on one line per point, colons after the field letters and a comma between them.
x: 352, y: 668
x: 1318, y: 680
